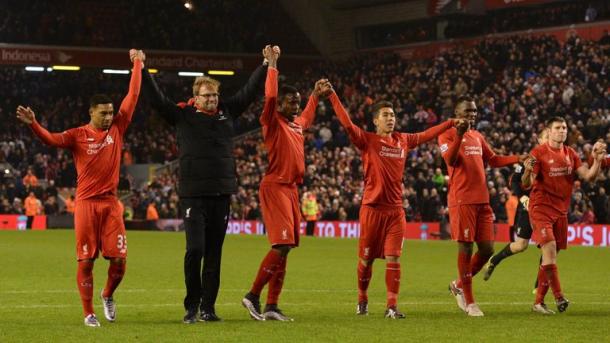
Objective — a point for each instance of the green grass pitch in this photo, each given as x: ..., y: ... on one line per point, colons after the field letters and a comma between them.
x: 39, y: 301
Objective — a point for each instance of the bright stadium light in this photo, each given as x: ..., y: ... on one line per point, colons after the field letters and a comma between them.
x: 188, y: 5
x: 190, y: 73
x: 221, y: 72
x: 153, y: 71
x: 116, y: 71
x: 67, y: 68
x: 34, y: 68
x: 49, y: 69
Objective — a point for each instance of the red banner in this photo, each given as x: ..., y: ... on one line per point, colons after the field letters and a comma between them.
x: 498, y: 4
x: 46, y: 56
x: 19, y: 222
x: 587, y: 235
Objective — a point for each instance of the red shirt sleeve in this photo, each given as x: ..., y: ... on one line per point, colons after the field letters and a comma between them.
x: 271, y: 92
x: 576, y: 159
x: 496, y: 161
x: 128, y: 106
x: 415, y: 139
x: 309, y: 113
x: 450, y: 147
x: 59, y: 140
x: 356, y: 134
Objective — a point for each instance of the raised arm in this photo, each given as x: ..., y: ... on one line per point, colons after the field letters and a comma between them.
x: 415, y: 139
x: 271, y: 89
x: 356, y: 134
x: 321, y: 88
x: 270, y: 96
x: 60, y: 140
x: 128, y: 106
x: 166, y: 108
x: 240, y: 101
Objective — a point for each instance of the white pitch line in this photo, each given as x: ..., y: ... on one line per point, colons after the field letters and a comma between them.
x: 307, y: 304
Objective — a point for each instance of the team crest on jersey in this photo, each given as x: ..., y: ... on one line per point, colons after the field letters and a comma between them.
x: 444, y: 148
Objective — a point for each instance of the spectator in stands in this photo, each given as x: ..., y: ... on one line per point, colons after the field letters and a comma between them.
x: 311, y: 211
x: 151, y: 212
x: 30, y: 180
x: 32, y: 208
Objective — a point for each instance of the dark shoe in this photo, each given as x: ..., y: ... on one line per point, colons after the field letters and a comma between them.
x: 393, y: 313
x: 272, y: 312
x: 209, y: 316
x: 190, y: 317
x: 252, y: 303
x: 362, y: 309
x: 562, y: 304
x: 488, y: 269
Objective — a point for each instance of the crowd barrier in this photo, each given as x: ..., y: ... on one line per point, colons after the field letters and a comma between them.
x: 587, y: 235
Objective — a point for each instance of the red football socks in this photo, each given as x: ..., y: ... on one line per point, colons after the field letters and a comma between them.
x: 265, y: 271
x: 476, y: 263
x: 543, y: 286
x: 552, y: 275
x: 364, y: 277
x: 392, y: 282
x: 84, y: 279
x: 277, y: 282
x: 465, y: 276
x: 116, y: 271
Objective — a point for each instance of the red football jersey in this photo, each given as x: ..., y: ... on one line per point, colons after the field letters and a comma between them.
x: 467, y: 181
x: 97, y: 153
x: 555, y: 173
x: 383, y: 158
x: 284, y: 139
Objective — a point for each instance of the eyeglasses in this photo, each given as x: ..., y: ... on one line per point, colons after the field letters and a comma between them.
x: 209, y: 95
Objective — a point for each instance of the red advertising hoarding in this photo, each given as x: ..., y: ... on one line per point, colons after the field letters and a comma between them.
x: 587, y: 235
x: 19, y: 222
x: 39, y: 55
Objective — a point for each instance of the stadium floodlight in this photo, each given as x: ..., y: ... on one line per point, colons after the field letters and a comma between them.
x: 221, y: 72
x: 188, y: 5
x: 67, y: 68
x: 190, y: 73
x: 34, y: 68
x: 153, y: 71
x: 49, y: 69
x: 116, y: 71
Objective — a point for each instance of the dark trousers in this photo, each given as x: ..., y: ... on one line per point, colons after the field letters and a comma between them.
x: 205, y: 224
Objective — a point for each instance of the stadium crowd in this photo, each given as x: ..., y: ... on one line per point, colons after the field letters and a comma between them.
x: 517, y: 81
x: 496, y: 21
x: 142, y: 23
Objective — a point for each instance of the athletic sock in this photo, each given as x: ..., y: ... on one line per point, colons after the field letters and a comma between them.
x: 116, y: 271
x: 543, y: 286
x: 465, y: 276
x: 265, y: 271
x: 392, y: 282
x: 364, y: 278
x: 504, y: 253
x: 84, y: 279
x: 552, y: 275
x: 476, y: 263
x: 277, y: 282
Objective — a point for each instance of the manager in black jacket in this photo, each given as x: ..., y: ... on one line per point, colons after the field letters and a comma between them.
x: 207, y: 178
